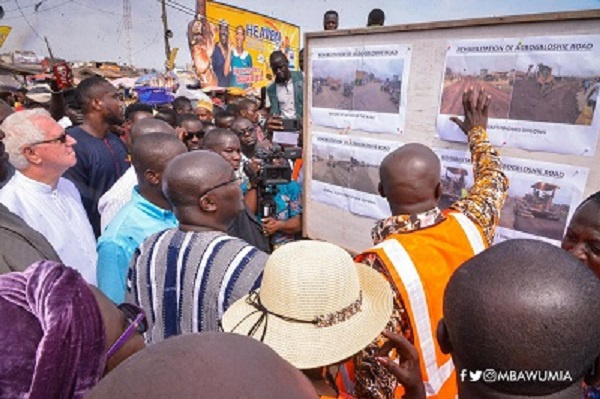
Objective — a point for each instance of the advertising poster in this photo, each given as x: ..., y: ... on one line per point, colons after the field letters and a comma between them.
x: 543, y: 90
x: 361, y: 88
x: 345, y: 173
x: 541, y: 199
x: 230, y: 46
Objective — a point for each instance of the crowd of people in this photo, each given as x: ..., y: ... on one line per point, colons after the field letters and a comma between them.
x: 146, y: 252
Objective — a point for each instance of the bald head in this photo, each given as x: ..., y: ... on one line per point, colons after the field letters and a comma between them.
x: 523, y: 305
x: 219, y: 365
x: 152, y: 152
x: 410, y: 179
x: 148, y: 126
x: 202, y: 190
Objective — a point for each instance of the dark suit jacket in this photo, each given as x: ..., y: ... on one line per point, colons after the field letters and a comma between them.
x: 20, y: 245
x: 249, y: 229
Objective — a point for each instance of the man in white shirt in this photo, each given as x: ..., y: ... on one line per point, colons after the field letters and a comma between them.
x: 119, y: 194
x: 41, y: 152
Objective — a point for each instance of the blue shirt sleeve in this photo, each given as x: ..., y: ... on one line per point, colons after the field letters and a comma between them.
x: 288, y: 200
x: 111, y: 272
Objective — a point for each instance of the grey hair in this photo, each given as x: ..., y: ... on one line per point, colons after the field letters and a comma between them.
x: 21, y: 131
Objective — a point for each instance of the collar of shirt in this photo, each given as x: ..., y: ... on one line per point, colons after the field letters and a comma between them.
x: 406, y: 224
x: 31, y: 184
x: 149, y: 208
x: 288, y: 85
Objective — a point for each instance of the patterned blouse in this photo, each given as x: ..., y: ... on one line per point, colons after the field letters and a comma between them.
x: 482, y: 205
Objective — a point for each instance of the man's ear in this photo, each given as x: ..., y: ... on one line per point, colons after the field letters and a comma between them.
x: 592, y: 377
x: 443, y: 338
x: 207, y: 204
x: 380, y: 189
x: 96, y: 104
x: 31, y: 156
x: 152, y: 177
x: 438, y: 191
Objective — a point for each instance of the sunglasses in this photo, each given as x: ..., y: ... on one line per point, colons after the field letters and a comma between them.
x: 199, y: 135
x: 60, y: 139
x: 136, y: 318
x: 232, y: 180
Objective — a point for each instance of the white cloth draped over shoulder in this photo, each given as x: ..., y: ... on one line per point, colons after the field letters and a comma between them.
x: 116, y: 197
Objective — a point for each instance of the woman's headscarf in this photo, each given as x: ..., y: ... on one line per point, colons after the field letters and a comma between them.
x: 52, y: 339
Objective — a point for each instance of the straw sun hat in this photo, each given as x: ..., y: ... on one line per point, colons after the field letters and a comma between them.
x: 316, y: 307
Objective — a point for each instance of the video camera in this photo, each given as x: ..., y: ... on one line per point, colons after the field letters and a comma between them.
x: 271, y: 175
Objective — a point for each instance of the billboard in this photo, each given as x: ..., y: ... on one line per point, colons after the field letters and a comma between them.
x: 230, y: 46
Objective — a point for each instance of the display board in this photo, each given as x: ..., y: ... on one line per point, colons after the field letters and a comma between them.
x: 369, y: 91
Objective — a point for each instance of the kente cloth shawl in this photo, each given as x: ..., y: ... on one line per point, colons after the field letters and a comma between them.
x: 52, y: 334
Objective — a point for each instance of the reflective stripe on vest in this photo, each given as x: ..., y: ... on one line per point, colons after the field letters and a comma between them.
x: 436, y: 372
x: 471, y: 230
x: 414, y: 287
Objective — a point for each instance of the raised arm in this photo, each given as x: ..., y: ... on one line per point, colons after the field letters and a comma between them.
x: 485, y: 200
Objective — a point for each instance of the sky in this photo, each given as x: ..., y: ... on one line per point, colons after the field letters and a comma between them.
x: 93, y: 30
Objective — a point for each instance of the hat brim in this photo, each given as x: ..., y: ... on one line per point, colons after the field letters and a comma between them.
x: 41, y: 98
x: 307, y: 346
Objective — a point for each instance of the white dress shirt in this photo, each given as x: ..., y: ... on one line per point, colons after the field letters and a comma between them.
x: 59, y: 216
x: 114, y: 199
x: 285, y: 96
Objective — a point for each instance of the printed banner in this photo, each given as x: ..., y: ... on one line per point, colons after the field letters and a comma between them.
x: 231, y: 47
x: 345, y: 173
x: 360, y: 88
x: 544, y: 91
x: 541, y: 199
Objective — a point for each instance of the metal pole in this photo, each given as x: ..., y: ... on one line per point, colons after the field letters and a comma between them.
x: 166, y: 28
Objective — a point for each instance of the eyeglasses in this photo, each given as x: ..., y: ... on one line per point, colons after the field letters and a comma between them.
x: 136, y: 318
x: 60, y: 139
x: 199, y: 135
x: 232, y: 180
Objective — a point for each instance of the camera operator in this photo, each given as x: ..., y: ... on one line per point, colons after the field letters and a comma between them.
x: 285, y: 224
x: 276, y: 196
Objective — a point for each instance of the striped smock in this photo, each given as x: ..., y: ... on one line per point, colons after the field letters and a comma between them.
x: 186, y: 280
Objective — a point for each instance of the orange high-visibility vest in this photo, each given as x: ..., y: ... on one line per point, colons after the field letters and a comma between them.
x: 420, y: 264
x: 297, y: 169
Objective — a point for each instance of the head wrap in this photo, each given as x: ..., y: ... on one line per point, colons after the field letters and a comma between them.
x: 52, y: 339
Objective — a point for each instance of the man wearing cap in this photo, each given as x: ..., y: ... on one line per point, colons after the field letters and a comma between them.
x: 186, y: 277
x: 204, y: 110
x: 419, y: 247
x: 41, y: 152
